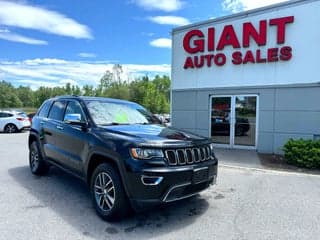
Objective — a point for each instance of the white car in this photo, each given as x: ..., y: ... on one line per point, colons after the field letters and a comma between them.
x: 11, y: 121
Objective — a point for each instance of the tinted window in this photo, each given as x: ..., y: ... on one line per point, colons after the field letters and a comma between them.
x: 57, y: 110
x: 75, y: 107
x: 43, y: 112
x: 5, y: 115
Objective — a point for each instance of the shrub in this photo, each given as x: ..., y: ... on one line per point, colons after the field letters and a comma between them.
x: 303, y: 153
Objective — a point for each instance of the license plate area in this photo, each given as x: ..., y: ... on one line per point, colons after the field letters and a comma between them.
x: 200, y: 175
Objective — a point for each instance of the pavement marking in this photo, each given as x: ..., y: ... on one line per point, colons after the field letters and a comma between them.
x: 270, y: 171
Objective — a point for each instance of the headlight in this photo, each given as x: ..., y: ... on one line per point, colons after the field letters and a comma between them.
x: 146, y: 153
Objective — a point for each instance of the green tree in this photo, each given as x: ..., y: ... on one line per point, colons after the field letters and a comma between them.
x: 26, y: 96
x: 8, y: 96
x: 88, y: 90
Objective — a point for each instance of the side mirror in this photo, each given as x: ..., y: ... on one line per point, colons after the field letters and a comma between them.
x: 74, y: 119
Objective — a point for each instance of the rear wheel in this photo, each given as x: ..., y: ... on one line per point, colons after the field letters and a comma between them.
x: 108, y: 195
x: 10, y: 128
x: 37, y: 165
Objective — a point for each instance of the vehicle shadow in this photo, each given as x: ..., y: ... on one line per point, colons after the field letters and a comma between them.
x: 69, y: 198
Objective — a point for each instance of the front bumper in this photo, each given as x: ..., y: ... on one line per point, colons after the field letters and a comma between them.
x: 167, y: 184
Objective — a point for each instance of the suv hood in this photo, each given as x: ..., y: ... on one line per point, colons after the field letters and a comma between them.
x: 157, y: 134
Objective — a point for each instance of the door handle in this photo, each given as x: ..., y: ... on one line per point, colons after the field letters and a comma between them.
x: 59, y: 127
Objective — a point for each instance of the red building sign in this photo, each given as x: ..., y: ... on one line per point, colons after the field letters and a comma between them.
x: 206, y: 48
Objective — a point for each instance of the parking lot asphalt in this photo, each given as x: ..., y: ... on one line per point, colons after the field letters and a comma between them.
x: 245, y: 204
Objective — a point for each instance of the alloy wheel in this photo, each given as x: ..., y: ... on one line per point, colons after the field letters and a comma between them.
x: 104, y: 191
x: 11, y: 128
x: 34, y: 160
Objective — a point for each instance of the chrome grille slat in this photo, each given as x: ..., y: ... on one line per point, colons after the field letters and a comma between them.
x: 181, y: 156
x: 184, y: 156
x: 190, y: 157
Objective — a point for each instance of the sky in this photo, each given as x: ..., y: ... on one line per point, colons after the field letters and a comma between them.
x: 54, y: 42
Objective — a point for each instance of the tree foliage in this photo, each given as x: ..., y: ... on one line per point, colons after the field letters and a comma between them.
x: 154, y: 94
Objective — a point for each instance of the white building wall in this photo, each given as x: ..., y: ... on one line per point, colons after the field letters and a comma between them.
x: 302, y: 35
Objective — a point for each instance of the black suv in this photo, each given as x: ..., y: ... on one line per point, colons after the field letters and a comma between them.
x: 120, y: 150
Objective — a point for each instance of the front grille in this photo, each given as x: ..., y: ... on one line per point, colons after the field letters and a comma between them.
x: 184, y: 156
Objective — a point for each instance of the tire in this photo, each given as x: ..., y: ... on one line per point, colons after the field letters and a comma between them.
x: 37, y: 165
x: 108, y: 195
x: 10, y: 128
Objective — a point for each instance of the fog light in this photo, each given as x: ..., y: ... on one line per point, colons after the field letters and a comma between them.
x: 151, y: 180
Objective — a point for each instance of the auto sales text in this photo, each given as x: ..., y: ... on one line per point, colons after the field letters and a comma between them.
x: 203, y: 44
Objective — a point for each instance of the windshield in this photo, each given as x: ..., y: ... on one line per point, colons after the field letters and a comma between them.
x: 110, y: 113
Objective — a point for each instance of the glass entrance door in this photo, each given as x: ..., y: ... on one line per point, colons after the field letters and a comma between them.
x: 220, y: 119
x: 245, y: 120
x: 234, y: 120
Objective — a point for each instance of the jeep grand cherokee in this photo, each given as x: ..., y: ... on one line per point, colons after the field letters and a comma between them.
x: 120, y: 150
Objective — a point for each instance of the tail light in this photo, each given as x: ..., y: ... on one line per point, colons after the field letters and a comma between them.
x: 20, y: 119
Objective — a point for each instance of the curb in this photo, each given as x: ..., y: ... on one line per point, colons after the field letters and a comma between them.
x: 273, y: 171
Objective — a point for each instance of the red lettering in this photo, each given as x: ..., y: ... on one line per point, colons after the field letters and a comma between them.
x: 209, y: 58
x: 198, y: 44
x: 198, y: 61
x: 285, y: 53
x: 248, y: 57
x: 273, y: 55
x: 228, y: 37
x: 250, y: 31
x: 237, y: 58
x: 188, y: 63
x: 259, y: 59
x: 211, y: 32
x: 220, y: 59
x: 281, y: 27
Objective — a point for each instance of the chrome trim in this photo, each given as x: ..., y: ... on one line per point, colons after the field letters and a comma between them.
x: 157, y: 182
x: 181, y: 161
x: 180, y: 156
x: 199, y: 169
x: 166, y: 153
x: 192, y: 156
x: 172, y: 188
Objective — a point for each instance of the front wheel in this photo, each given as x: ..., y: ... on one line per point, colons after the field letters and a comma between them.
x: 37, y: 165
x: 108, y: 195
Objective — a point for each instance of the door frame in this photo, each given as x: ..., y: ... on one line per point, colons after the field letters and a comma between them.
x: 231, y: 145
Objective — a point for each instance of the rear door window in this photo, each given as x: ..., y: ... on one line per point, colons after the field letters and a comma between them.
x: 43, y: 112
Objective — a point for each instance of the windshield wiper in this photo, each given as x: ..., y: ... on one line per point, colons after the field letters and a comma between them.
x: 143, y: 123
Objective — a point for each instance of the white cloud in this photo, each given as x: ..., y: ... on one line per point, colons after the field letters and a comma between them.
x: 87, y: 55
x: 65, y: 81
x: 9, y: 36
x: 34, y: 84
x: 148, y: 34
x: 240, y: 5
x: 31, y: 17
x: 161, y: 43
x: 57, y: 72
x: 170, y: 20
x: 39, y: 61
x: 164, y: 5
